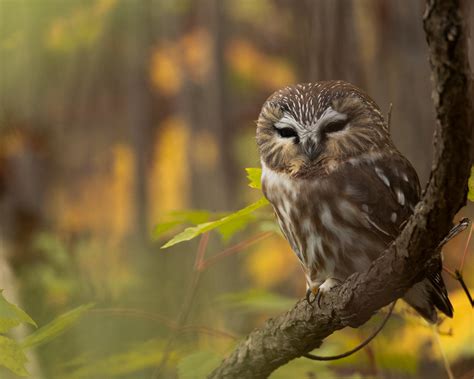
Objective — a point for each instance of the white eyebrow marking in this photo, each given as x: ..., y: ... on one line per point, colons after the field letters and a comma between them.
x: 285, y: 121
x: 288, y: 121
x: 330, y: 115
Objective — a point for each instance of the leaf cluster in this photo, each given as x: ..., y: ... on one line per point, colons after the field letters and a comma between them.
x: 227, y: 225
x: 13, y: 352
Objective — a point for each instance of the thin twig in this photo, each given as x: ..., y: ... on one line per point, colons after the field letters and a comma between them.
x: 457, y: 274
x: 186, y: 307
x: 448, y: 333
x: 455, y: 230
x: 201, y: 252
x: 450, y: 272
x: 372, y: 361
x: 469, y: 236
x: 447, y: 367
x: 233, y: 249
x: 460, y: 279
x: 358, y: 347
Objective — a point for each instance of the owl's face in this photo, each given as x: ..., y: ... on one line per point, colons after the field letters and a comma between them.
x: 305, y: 127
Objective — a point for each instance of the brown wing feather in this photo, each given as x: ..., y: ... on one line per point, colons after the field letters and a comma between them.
x: 387, y: 190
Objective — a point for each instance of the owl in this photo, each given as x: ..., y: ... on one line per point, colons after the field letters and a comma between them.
x: 340, y: 189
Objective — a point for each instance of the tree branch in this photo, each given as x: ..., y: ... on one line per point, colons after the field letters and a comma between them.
x: 405, y: 262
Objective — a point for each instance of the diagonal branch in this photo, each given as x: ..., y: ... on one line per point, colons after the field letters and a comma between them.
x: 406, y: 261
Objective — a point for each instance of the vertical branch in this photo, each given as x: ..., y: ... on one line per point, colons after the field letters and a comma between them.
x: 446, y: 35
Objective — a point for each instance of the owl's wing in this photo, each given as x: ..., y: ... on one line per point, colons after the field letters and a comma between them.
x: 386, y: 191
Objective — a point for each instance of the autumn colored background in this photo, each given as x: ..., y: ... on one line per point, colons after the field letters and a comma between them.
x: 123, y: 121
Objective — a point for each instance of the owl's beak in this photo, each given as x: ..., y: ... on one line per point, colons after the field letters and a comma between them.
x: 311, y: 148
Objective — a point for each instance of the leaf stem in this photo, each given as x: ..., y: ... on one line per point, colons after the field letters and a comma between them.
x: 186, y: 307
x: 233, y: 250
x: 469, y: 236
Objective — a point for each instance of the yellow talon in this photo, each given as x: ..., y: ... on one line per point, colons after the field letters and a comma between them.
x: 312, y: 291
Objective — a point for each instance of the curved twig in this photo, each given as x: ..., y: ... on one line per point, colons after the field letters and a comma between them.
x: 358, y: 347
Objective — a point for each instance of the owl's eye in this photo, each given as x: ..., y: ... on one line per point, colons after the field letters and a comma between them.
x: 335, y: 126
x: 287, y: 133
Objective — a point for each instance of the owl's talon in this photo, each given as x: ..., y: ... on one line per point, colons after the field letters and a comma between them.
x: 308, y: 297
x: 315, y: 293
x: 318, y: 297
x: 328, y: 284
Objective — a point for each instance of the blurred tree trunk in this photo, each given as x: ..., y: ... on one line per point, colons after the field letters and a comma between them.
x: 22, y: 217
x: 308, y: 51
x: 212, y: 174
x: 326, y: 52
x: 219, y: 105
x: 140, y: 106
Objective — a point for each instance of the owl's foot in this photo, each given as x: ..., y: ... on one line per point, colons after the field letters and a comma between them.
x: 312, y: 295
x: 327, y: 285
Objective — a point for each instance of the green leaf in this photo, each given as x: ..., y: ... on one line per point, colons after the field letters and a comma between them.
x: 192, y: 232
x: 230, y: 228
x: 269, y: 226
x: 256, y: 301
x: 164, y: 227
x: 12, y: 356
x: 55, y: 327
x: 177, y: 218
x: 470, y: 194
x: 11, y: 315
x: 254, y: 176
x: 198, y: 365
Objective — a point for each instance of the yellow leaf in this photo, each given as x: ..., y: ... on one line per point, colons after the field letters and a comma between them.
x: 165, y: 70
x: 206, y: 150
x: 253, y: 65
x: 254, y: 176
x: 462, y: 325
x: 196, y: 48
x: 470, y: 195
x: 169, y: 175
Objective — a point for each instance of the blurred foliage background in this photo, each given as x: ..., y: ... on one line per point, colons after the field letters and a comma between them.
x: 120, y: 115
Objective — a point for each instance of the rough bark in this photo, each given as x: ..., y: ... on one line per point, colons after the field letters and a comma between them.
x: 405, y: 262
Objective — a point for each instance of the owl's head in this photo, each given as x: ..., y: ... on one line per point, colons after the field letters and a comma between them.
x: 308, y: 126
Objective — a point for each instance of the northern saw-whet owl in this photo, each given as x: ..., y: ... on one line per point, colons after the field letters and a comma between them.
x: 340, y: 189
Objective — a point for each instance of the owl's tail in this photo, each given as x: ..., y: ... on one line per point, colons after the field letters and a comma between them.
x: 427, y: 296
